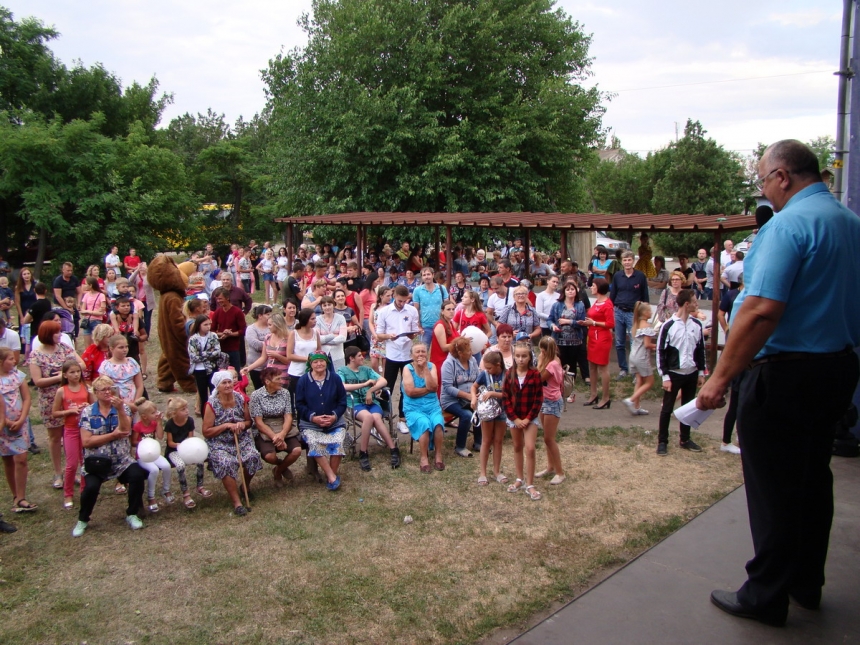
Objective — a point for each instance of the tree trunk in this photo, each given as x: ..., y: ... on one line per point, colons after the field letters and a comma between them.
x: 40, y: 253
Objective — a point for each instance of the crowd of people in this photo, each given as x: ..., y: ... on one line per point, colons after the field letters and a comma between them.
x: 387, y: 337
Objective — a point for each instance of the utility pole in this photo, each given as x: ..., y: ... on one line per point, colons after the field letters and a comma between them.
x: 842, y: 100
x: 851, y: 196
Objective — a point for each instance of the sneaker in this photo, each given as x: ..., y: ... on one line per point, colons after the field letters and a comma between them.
x: 395, y: 457
x: 730, y: 447
x: 240, y: 511
x: 690, y: 445
x: 462, y: 452
x: 622, y: 374
x: 631, y: 408
x: 641, y: 412
x: 5, y: 527
x: 662, y: 449
x: 404, y: 429
x: 34, y: 449
x: 134, y: 522
x: 79, y: 529
x: 364, y: 461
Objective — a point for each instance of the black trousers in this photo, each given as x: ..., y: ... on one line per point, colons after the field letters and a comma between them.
x: 786, y: 423
x: 393, y: 369
x: 732, y: 410
x: 204, y: 387
x: 134, y: 477
x: 686, y: 385
x: 573, y: 355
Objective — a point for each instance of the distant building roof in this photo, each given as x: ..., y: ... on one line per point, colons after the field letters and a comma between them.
x: 612, y: 154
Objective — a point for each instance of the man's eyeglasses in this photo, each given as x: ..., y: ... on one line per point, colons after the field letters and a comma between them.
x: 759, y: 183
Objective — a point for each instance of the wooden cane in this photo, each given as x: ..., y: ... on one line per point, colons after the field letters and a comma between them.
x: 242, y: 471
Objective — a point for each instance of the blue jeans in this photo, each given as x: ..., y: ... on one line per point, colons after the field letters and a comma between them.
x: 427, y: 336
x: 464, y: 414
x: 623, y: 327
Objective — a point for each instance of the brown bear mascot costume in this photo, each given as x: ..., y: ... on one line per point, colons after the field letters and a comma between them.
x: 173, y: 365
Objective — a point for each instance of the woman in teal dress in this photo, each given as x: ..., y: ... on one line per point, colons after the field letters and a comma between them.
x: 421, y: 407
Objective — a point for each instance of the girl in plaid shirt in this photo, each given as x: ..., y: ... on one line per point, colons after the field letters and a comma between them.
x: 523, y: 397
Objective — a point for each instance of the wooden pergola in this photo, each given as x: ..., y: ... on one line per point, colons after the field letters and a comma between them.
x: 526, y: 222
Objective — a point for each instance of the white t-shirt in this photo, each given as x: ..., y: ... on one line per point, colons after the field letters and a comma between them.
x: 543, y: 305
x: 36, y: 344
x: 11, y: 340
x: 111, y: 261
x: 392, y: 320
x: 734, y: 271
x: 496, y: 303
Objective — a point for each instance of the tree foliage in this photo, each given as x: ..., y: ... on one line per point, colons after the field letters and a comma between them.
x: 431, y: 106
x: 824, y: 148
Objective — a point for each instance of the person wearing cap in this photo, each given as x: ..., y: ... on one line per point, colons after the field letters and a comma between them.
x: 320, y: 405
x: 226, y: 417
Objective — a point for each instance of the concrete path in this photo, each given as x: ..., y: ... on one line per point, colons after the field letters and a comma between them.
x: 662, y: 597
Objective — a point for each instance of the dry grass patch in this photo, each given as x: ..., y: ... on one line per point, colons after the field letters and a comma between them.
x: 309, y: 566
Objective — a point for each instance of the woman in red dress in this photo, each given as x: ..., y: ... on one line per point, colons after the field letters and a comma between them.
x: 600, y: 321
x: 443, y: 335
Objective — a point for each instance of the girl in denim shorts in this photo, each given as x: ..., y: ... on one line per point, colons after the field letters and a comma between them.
x: 491, y: 377
x: 552, y: 375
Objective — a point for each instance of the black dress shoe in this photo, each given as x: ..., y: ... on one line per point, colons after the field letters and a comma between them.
x: 728, y: 602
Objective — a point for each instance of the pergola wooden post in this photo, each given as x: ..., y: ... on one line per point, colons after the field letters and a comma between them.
x: 715, y: 303
x: 449, y: 259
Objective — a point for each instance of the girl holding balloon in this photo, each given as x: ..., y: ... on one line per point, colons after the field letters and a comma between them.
x: 179, y: 427
x: 149, y: 457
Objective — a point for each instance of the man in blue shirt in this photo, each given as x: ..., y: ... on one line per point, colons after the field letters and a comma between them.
x: 427, y: 299
x: 627, y: 288
x: 795, y: 326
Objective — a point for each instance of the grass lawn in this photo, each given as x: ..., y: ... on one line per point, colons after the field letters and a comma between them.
x: 310, y: 566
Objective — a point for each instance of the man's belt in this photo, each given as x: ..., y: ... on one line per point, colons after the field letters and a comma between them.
x: 625, y: 309
x: 801, y: 356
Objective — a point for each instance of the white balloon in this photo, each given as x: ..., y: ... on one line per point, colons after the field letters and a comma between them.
x: 148, y: 450
x: 477, y: 337
x: 193, y: 450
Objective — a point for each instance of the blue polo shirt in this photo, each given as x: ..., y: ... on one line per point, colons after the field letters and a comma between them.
x: 430, y: 304
x: 807, y: 257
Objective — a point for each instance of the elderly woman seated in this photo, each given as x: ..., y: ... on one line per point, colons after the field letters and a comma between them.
x: 421, y: 407
x: 272, y: 410
x: 320, y: 404
x: 105, y: 430
x: 226, y: 424
x: 459, y: 371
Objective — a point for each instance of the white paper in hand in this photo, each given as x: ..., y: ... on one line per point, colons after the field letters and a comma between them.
x: 692, y: 416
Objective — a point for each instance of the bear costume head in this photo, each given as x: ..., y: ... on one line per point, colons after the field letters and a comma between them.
x: 164, y: 275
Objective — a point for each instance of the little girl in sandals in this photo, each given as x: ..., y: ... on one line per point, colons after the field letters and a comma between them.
x: 644, y: 342
x: 150, y: 426
x: 178, y: 428
x: 523, y: 398
x: 71, y: 398
x: 491, y: 377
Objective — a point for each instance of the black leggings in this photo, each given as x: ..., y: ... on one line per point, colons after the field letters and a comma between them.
x: 134, y: 477
x: 393, y: 369
x: 573, y: 355
x: 204, y: 387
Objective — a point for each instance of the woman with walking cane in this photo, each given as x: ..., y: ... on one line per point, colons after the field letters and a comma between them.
x: 226, y: 427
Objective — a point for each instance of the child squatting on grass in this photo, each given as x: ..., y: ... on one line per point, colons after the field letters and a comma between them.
x: 178, y: 428
x: 150, y: 426
x: 523, y: 396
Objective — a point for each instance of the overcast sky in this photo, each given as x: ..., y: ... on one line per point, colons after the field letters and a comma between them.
x: 209, y: 54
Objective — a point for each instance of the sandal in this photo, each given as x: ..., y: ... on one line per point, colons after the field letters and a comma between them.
x: 516, y: 486
x: 68, y: 505
x: 533, y: 493
x: 120, y: 489
x: 426, y: 469
x: 439, y: 465
x: 571, y: 398
x: 58, y: 482
x: 545, y: 473
x: 23, y: 506
x: 204, y: 492
x: 501, y: 478
x: 168, y: 497
x: 189, y: 503
x: 279, y: 480
x: 153, y: 506
x: 482, y: 481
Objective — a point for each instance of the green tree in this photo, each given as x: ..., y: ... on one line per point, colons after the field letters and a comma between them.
x: 621, y: 187
x: 823, y: 147
x: 696, y: 175
x: 432, y: 106
x: 27, y: 65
